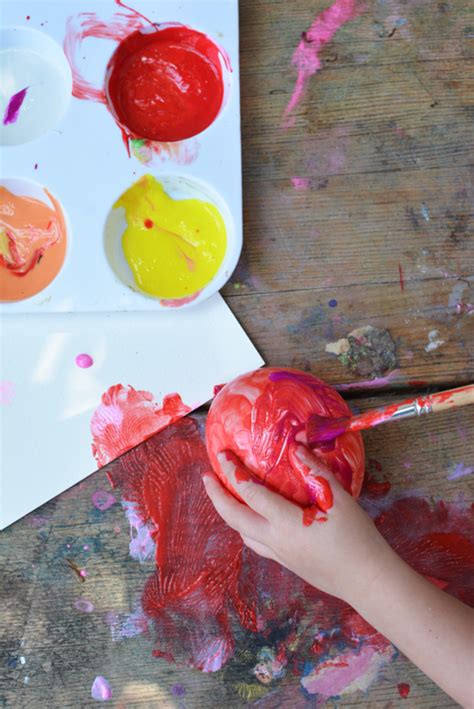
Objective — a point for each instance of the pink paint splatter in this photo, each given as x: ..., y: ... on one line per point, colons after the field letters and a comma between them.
x: 7, y: 392
x: 103, y: 500
x: 403, y: 689
x: 101, y: 690
x: 180, y: 302
x: 84, y: 606
x: 306, y: 56
x: 127, y: 417
x: 301, y: 183
x: 84, y: 361
x: 12, y: 110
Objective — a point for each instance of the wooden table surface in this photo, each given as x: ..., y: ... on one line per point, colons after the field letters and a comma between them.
x: 374, y: 180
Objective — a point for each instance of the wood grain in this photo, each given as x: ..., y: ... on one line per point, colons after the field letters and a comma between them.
x: 384, y: 138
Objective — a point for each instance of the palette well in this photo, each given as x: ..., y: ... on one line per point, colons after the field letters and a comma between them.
x: 84, y: 158
x: 91, y: 320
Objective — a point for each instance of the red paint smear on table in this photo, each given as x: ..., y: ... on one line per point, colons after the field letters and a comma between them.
x: 12, y: 110
x: 206, y: 580
x: 127, y: 417
x: 402, y: 281
x: 403, y: 689
x: 306, y: 56
x: 180, y: 65
x: 258, y: 417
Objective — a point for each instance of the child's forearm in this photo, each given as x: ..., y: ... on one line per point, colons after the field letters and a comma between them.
x: 433, y: 629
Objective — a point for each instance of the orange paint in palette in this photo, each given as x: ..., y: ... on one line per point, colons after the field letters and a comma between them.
x: 33, y: 240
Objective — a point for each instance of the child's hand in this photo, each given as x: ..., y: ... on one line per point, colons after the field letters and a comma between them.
x: 340, y: 552
x: 347, y: 557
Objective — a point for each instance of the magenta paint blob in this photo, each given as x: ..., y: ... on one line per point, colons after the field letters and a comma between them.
x: 84, y: 361
x: 103, y: 500
x: 101, y: 690
x: 12, y: 110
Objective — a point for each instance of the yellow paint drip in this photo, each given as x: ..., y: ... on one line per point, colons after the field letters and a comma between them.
x: 173, y: 247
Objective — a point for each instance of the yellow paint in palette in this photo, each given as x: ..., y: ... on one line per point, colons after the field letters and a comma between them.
x: 174, y: 247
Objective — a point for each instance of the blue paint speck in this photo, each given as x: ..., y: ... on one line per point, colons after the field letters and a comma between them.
x: 333, y: 303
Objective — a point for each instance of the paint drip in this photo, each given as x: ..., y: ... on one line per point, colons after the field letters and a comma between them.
x: 174, y: 248
x: 33, y: 240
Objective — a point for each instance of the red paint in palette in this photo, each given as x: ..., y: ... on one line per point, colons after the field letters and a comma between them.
x: 167, y: 83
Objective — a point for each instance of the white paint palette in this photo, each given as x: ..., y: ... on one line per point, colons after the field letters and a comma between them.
x: 75, y: 150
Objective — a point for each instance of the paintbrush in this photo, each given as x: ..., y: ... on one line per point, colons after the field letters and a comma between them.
x: 323, y: 430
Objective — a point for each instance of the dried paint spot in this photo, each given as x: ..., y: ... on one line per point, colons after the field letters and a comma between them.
x: 434, y: 341
x: 366, y: 351
x: 84, y: 361
x: 301, y: 184
x: 177, y: 690
x: 84, y: 606
x: 403, y: 689
x: 103, y: 500
x: 101, y: 690
x: 460, y: 470
x: 332, y: 303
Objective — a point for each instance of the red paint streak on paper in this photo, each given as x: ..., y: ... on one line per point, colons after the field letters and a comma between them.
x: 402, y: 280
x: 206, y: 580
x: 258, y: 417
x: 87, y: 25
x: 306, y: 56
x: 180, y: 65
x: 147, y: 151
x: 12, y: 110
x: 127, y: 417
x: 403, y: 689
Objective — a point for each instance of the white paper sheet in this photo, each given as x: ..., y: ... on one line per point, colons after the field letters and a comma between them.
x: 48, y: 401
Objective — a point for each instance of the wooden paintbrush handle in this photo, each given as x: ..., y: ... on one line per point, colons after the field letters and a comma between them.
x: 452, y: 399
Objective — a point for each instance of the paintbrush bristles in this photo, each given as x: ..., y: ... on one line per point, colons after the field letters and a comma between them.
x: 324, y: 430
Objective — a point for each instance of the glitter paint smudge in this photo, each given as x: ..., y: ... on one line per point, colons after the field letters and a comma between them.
x: 84, y: 606
x: 306, y: 57
x: 101, y: 690
x: 12, y: 110
x: 127, y: 417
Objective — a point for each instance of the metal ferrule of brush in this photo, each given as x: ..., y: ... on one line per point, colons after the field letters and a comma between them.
x: 410, y: 410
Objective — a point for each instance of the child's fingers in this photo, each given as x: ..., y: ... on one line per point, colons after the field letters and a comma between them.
x: 258, y: 548
x: 235, y: 514
x: 319, y: 480
x: 268, y: 504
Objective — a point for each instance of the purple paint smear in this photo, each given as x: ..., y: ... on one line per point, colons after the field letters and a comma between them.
x: 377, y: 383
x: 460, y: 471
x: 12, y: 111
x: 306, y: 56
x: 101, y: 690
